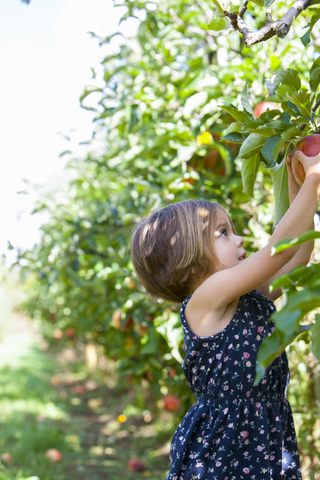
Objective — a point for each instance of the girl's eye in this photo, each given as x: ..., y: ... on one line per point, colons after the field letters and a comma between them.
x: 223, y: 233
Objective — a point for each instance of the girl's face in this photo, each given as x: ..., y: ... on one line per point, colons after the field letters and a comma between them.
x: 227, y: 245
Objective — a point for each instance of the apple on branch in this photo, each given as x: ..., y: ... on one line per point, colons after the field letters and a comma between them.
x: 263, y: 107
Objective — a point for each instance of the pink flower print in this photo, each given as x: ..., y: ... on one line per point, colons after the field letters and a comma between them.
x: 202, y: 368
x: 218, y: 464
x: 236, y: 337
x: 230, y: 346
x: 246, y: 454
x: 289, y: 439
x: 245, y: 331
x: 225, y: 358
x: 218, y: 356
x: 262, y: 432
x: 225, y: 388
x: 236, y: 362
x: 205, y: 344
x: 258, y: 405
x: 246, y: 342
x: 225, y: 411
x: 246, y: 470
x: 194, y: 352
x: 210, y: 360
x: 277, y: 419
x: 272, y: 457
x: 244, y: 434
x: 246, y: 355
x: 260, y: 448
x: 230, y: 425
x: 260, y: 329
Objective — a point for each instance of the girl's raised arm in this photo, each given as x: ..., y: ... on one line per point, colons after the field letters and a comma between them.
x: 219, y: 293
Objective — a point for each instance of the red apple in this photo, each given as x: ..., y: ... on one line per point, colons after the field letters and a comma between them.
x: 136, y: 465
x: 263, y: 107
x: 58, y: 334
x: 78, y: 389
x: 310, y: 146
x: 116, y: 319
x: 171, y: 403
x: 54, y: 455
x: 6, y: 457
x: 70, y: 332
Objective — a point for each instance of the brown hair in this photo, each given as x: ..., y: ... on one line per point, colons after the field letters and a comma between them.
x: 172, y: 248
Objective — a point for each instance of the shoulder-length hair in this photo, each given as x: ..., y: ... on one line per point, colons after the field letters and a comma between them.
x: 172, y: 248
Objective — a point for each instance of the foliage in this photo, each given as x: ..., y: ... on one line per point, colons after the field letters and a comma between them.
x: 165, y: 131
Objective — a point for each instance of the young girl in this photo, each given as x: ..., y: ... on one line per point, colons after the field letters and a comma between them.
x: 189, y: 252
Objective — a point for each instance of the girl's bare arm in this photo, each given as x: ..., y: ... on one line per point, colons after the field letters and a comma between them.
x: 214, y: 296
x: 304, y: 253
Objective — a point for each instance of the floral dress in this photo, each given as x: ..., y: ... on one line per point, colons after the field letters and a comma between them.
x: 235, y: 431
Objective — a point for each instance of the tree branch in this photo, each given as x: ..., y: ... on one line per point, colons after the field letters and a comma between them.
x: 279, y: 27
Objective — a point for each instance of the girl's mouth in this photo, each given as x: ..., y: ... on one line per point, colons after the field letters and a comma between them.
x: 243, y: 256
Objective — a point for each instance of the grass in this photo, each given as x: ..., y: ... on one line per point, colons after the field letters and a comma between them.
x: 96, y: 421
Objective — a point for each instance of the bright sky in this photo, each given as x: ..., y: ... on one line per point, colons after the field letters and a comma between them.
x: 46, y: 57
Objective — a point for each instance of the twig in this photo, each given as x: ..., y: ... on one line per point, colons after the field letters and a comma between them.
x: 279, y: 27
x: 316, y: 106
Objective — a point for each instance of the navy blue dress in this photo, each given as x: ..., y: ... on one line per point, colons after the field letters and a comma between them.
x: 235, y: 431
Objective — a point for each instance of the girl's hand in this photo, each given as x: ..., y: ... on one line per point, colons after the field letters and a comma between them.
x: 311, y: 165
x: 294, y: 187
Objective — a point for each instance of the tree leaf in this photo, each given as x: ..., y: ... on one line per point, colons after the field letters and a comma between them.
x: 315, y: 79
x: 249, y: 170
x: 292, y: 242
x: 268, y: 149
x: 315, y: 338
x: 288, y: 77
x: 89, y: 89
x: 279, y: 175
x: 252, y: 145
x: 218, y: 24
x: 245, y: 101
x: 242, y: 117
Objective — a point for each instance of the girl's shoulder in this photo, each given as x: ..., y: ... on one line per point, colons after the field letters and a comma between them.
x: 251, y: 300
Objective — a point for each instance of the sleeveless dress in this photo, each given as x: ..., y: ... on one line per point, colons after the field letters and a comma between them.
x: 235, y: 431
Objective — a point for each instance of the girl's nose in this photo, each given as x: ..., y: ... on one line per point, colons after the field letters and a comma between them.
x: 240, y: 240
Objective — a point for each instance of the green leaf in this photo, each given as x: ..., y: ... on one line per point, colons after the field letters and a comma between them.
x: 305, y: 39
x: 315, y: 79
x: 292, y: 242
x: 252, y: 145
x: 218, y: 24
x: 288, y: 77
x: 89, y: 89
x: 279, y: 176
x: 268, y: 3
x: 233, y: 137
x: 315, y: 338
x: 303, y: 101
x: 245, y: 101
x: 258, y: 2
x: 249, y: 170
x: 268, y: 149
x: 242, y: 117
